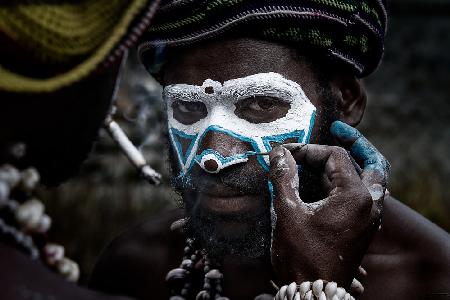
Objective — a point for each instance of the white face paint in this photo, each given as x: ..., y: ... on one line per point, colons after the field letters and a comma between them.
x: 220, y: 102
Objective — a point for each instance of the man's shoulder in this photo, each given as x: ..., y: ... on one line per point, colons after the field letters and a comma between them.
x: 408, y: 256
x: 413, y: 231
x: 139, y: 258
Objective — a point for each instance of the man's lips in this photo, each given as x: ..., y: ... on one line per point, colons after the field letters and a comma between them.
x: 224, y: 200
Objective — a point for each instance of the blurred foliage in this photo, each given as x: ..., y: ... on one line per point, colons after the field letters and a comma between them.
x: 407, y: 119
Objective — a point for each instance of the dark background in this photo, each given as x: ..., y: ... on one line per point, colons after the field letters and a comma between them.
x: 407, y: 119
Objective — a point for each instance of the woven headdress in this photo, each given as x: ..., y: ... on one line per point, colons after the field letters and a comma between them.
x: 347, y: 31
x: 49, y: 45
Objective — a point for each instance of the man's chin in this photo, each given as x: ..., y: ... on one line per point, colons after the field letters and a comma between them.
x: 232, y: 231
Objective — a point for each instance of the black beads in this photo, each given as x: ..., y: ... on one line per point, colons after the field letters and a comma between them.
x: 214, y: 274
x: 181, y: 280
x: 177, y: 298
x: 177, y: 274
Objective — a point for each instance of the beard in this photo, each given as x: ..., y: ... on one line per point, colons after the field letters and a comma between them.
x: 238, y: 234
x: 246, y: 235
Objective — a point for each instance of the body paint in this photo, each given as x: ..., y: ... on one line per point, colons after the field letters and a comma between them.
x: 220, y: 101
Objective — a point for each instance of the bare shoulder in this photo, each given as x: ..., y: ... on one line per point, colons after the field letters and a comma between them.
x: 416, y: 233
x: 136, y: 262
x: 409, y: 256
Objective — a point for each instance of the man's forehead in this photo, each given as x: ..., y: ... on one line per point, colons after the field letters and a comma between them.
x: 228, y: 59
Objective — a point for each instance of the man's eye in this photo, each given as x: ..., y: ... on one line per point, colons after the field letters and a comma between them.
x: 261, y: 109
x: 261, y: 104
x: 188, y: 112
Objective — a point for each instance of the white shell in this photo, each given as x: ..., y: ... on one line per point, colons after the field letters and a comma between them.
x: 357, y: 287
x: 30, y: 213
x: 330, y: 290
x: 69, y: 269
x: 53, y: 253
x: 322, y: 296
x: 347, y: 296
x: 282, y: 292
x: 362, y: 271
x: 309, y: 296
x: 335, y: 297
x: 30, y: 178
x: 297, y: 296
x: 340, y: 293
x: 44, y: 224
x: 317, y: 287
x: 304, y: 288
x: 9, y: 175
x: 290, y: 291
x: 4, y: 193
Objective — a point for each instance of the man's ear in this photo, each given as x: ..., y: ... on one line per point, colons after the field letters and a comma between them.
x: 352, y: 99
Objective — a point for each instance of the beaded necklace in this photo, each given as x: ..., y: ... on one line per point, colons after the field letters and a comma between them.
x: 25, y: 224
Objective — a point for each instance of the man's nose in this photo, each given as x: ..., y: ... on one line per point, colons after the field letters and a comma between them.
x: 219, y: 150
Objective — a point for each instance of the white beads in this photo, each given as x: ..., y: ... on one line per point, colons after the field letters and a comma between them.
x: 281, y: 293
x: 68, y: 269
x: 357, y: 287
x: 330, y: 290
x: 44, y: 224
x: 340, y: 292
x: 291, y: 290
x: 30, y: 179
x: 53, y: 253
x: 304, y: 288
x: 30, y: 213
x: 31, y: 217
x: 317, y: 287
x: 9, y: 175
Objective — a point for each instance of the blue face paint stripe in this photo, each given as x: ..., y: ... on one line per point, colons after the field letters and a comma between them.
x: 177, y: 133
x: 299, y: 134
x: 232, y: 134
x: 311, y: 126
x: 271, y: 192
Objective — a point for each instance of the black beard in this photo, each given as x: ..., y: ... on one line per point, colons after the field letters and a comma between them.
x: 214, y: 232
x: 252, y: 239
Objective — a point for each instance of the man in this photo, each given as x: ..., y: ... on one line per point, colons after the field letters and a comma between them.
x: 243, y: 78
x: 58, y: 71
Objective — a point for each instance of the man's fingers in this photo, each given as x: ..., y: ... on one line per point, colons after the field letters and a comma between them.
x: 375, y: 166
x: 284, y: 177
x: 361, y: 149
x: 333, y: 161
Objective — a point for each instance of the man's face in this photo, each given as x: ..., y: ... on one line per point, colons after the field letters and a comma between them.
x: 225, y: 101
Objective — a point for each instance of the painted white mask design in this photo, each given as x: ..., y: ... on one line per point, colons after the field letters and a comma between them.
x: 220, y: 101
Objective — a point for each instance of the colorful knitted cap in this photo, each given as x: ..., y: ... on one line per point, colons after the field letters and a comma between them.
x: 48, y: 45
x: 347, y: 31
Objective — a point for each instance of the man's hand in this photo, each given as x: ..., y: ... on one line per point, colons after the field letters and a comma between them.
x: 326, y: 239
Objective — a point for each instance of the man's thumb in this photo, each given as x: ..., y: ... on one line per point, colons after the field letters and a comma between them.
x: 284, y: 177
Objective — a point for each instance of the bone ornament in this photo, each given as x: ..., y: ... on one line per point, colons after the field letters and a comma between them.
x: 317, y: 290
x: 220, y: 101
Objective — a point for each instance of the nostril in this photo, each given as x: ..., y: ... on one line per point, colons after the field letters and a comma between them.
x: 209, y: 90
x: 211, y: 165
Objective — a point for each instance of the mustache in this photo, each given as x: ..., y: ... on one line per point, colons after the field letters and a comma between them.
x: 237, y: 178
